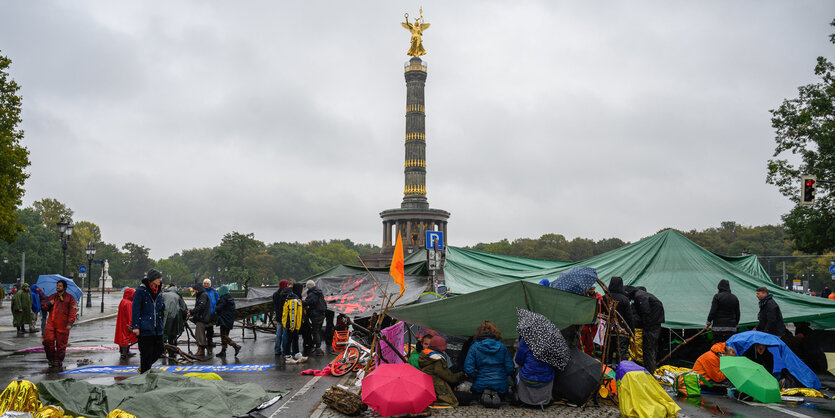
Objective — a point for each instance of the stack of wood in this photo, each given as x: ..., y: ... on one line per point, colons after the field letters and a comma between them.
x: 344, y: 401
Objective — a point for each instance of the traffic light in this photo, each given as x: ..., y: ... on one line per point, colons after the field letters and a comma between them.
x: 807, y: 190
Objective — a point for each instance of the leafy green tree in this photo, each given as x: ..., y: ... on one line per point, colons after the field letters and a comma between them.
x: 805, y: 128
x: 52, y: 211
x: 174, y: 272
x: 136, y: 261
x: 43, y: 251
x: 231, y: 255
x: 14, y: 157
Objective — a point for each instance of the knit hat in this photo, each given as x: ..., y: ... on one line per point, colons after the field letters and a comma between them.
x: 311, y: 284
x: 437, y: 343
x: 153, y: 274
x: 283, y: 283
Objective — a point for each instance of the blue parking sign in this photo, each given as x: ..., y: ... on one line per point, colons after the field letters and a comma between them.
x: 433, y: 238
x: 82, y: 269
x: 832, y: 269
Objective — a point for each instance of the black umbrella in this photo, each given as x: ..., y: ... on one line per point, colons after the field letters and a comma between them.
x: 544, y: 338
x: 579, y: 380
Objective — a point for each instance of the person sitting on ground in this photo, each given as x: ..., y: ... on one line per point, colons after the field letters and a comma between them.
x: 420, y: 347
x: 535, y: 379
x: 488, y: 361
x: 435, y: 362
x: 707, y: 365
x: 760, y: 354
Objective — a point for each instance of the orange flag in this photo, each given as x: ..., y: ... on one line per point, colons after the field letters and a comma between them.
x: 397, y: 270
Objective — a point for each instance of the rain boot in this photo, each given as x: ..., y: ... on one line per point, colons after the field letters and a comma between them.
x: 237, y: 349
x: 222, y: 353
x: 123, y: 351
x: 20, y: 331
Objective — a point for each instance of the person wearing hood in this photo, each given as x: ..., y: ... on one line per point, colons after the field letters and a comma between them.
x: 488, y: 361
x: 724, y: 313
x: 147, y: 319
x: 225, y: 311
x: 618, y: 294
x: 650, y: 315
x: 291, y: 318
x: 124, y: 334
x: 213, y: 298
x: 38, y: 297
x: 62, y: 310
x: 434, y: 361
x: 174, y: 319
x: 316, y: 308
x: 22, y: 309
x: 770, y: 316
x: 279, y: 297
x: 707, y: 365
x: 201, y: 315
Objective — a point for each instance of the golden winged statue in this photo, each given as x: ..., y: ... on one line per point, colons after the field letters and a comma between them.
x: 416, y: 29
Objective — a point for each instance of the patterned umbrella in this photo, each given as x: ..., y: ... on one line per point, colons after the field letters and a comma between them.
x: 577, y: 280
x: 544, y: 338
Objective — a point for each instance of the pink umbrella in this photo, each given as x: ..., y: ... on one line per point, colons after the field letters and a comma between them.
x: 395, y: 389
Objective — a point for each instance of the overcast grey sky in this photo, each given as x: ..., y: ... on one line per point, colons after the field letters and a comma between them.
x: 169, y: 124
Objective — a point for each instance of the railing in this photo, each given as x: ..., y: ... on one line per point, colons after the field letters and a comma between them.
x: 414, y: 67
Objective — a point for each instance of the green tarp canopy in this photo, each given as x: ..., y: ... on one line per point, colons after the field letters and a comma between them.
x: 679, y: 272
x: 461, y: 315
x: 155, y: 394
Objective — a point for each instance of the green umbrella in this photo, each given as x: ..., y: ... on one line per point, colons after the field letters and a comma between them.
x: 751, y: 378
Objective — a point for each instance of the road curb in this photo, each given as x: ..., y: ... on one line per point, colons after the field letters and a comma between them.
x: 98, y: 318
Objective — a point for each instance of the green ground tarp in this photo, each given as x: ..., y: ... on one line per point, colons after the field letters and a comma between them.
x: 461, y: 315
x: 155, y: 394
x: 680, y: 273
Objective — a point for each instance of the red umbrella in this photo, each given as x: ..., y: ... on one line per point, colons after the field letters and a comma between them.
x: 395, y: 389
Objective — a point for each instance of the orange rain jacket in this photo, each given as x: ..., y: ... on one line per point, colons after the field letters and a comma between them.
x: 707, y: 364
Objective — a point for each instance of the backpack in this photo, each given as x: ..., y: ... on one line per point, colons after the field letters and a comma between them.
x: 687, y: 384
x: 292, y: 314
x: 490, y: 399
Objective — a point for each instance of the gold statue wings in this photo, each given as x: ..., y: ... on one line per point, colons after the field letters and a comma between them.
x: 416, y: 28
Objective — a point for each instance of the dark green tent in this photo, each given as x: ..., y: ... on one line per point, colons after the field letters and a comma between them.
x: 679, y: 272
x: 461, y: 315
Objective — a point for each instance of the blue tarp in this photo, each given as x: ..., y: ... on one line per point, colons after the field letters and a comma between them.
x: 784, y: 358
x: 47, y: 283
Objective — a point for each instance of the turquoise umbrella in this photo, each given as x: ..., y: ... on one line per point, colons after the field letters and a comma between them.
x: 751, y: 378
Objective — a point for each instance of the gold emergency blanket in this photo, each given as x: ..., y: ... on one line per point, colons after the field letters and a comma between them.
x: 20, y: 396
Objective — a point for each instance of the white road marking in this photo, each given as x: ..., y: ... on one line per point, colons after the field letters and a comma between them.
x: 301, y: 391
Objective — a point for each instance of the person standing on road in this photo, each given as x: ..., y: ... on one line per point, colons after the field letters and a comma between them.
x: 625, y: 320
x: 724, y: 313
x: 176, y: 311
x: 226, y: 319
x: 124, y: 334
x: 826, y: 292
x: 291, y: 317
x: 2, y: 295
x: 213, y: 298
x: 316, y: 307
x: 650, y: 313
x: 279, y: 297
x: 147, y: 316
x: 36, y: 293
x: 62, y: 310
x: 201, y: 314
x: 22, y: 309
x: 770, y: 316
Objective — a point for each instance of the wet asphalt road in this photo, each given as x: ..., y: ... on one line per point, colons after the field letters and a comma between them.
x: 305, y: 392
x: 33, y: 366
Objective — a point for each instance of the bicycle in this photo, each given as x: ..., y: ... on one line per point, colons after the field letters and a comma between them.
x: 353, y: 358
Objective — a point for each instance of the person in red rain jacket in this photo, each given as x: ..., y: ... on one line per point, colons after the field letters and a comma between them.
x: 124, y: 336
x: 62, y: 310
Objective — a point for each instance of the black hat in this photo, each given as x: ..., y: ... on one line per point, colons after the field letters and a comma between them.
x: 153, y: 274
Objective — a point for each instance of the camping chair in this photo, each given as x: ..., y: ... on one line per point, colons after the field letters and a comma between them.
x: 340, y: 340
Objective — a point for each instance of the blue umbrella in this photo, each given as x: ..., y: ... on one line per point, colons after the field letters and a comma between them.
x: 577, y: 280
x: 47, y: 283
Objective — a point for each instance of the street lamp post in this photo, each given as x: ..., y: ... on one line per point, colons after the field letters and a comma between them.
x: 5, y: 261
x: 91, y: 252
x: 65, y: 229
x: 102, y: 287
